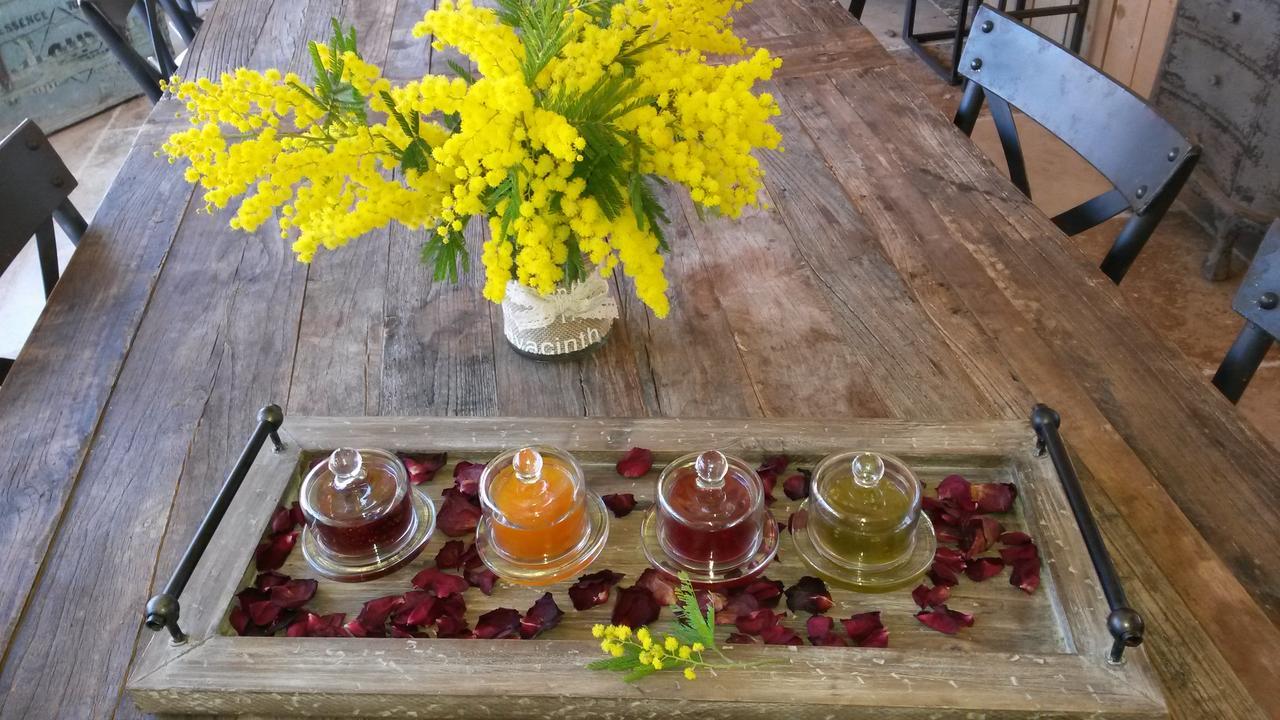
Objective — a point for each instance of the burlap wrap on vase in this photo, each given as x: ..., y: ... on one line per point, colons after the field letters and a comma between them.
x: 565, y: 322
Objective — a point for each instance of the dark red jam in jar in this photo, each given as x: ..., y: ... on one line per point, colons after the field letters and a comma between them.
x: 710, y: 512
x: 359, y: 504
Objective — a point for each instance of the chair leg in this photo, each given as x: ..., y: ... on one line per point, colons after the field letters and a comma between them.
x: 1007, y: 129
x: 159, y: 41
x: 1138, y: 230
x: 856, y: 7
x: 970, y: 106
x: 1077, y: 27
x: 181, y: 19
x: 1242, y: 361
x: 5, y: 364
x: 47, y: 250
x: 145, y: 75
x: 70, y: 220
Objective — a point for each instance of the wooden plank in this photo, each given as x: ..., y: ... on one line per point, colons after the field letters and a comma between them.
x: 1155, y: 36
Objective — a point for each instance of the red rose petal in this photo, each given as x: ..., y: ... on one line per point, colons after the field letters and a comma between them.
x: 740, y: 639
x: 478, y: 575
x: 768, y: 479
x: 809, y: 594
x: 1015, y: 538
x: 239, y: 619
x: 458, y: 515
x: 592, y: 590
x: 660, y: 584
x: 1016, y: 553
x: 776, y: 464
x: 983, y: 568
x: 324, y: 625
x: 636, y: 463
x: 621, y: 504
x: 635, y: 607
x: 423, y: 467
x: 1026, y: 575
x: 281, y: 520
x: 450, y: 555
x: 439, y: 583
x: 419, y: 608
x: 298, y: 628
x: 945, y: 620
x: 264, y: 612
x: 755, y: 622
x: 707, y: 598
x: 294, y: 594
x: 879, y: 638
x: 927, y: 597
x: 295, y: 511
x: 398, y: 631
x: 796, y: 487
x: 994, y: 497
x: 498, y: 624
x: 543, y: 616
x: 452, y: 627
x: 272, y: 553
x: 981, y: 533
x: 767, y: 591
x: 466, y: 478
x: 948, y: 563
x: 818, y: 628
x: 859, y: 627
x: 355, y: 629
x: 737, y: 606
x: 268, y: 580
x: 955, y: 491
x: 373, y: 615
x: 454, y: 606
x: 780, y: 635
x: 948, y: 534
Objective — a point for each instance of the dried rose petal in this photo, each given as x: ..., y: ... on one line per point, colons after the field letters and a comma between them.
x: 707, y: 598
x: 948, y: 563
x: 466, y: 478
x: 621, y: 504
x: 1026, y: 575
x: 754, y: 622
x: 281, y: 520
x: 355, y: 629
x: 450, y: 555
x: 768, y: 479
x: 419, y: 608
x: 662, y: 586
x: 399, y: 631
x: 817, y: 626
x: 1015, y: 538
x: 983, y: 568
x: 740, y: 639
x: 861, y: 626
x: 272, y: 553
x: 592, y: 590
x: 423, y: 467
x: 452, y: 627
x: 944, y: 619
x: 636, y: 463
x: 635, y: 607
x: 294, y: 594
x: 981, y: 533
x: 270, y: 579
x: 933, y: 507
x: 879, y: 638
x: 373, y: 615
x: 994, y: 497
x: 498, y: 624
x: 295, y: 512
x: 458, y: 515
x: 776, y: 464
x: 927, y: 597
x: 737, y: 606
x: 324, y: 625
x: 239, y: 619
x: 478, y: 575
x: 298, y: 628
x: 809, y: 594
x: 1016, y: 553
x: 454, y: 606
x: 958, y: 493
x: 264, y: 612
x: 543, y: 616
x: 948, y: 534
x: 439, y: 583
x: 796, y: 487
x: 767, y: 591
x: 780, y: 635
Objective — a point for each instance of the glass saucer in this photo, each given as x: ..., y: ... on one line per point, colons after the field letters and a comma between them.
x: 324, y: 563
x: 708, y: 577
x: 544, y: 573
x: 900, y: 575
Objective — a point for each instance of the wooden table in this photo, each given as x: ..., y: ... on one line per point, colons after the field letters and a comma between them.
x: 896, y: 274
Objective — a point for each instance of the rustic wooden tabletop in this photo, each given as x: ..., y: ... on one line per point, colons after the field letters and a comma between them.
x: 895, y: 274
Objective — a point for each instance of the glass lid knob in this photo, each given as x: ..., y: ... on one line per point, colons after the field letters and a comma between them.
x: 347, y: 467
x: 711, y: 467
x: 868, y: 468
x: 527, y: 464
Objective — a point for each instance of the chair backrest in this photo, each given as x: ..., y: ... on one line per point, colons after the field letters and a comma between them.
x: 34, y: 185
x: 1112, y: 128
x: 1258, y: 300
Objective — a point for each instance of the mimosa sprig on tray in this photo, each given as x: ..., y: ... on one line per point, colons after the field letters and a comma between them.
x: 693, y: 637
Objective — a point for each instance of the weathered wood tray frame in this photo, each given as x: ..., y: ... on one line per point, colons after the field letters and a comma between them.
x: 1055, y: 669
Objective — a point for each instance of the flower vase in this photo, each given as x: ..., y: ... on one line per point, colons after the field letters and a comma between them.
x: 566, y: 323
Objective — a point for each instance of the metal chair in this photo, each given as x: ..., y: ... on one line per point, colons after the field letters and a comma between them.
x: 1258, y: 300
x: 35, y: 187
x: 110, y: 18
x: 918, y: 40
x: 1146, y: 160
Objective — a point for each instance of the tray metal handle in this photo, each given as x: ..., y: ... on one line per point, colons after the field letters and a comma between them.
x: 163, y: 609
x: 1124, y: 623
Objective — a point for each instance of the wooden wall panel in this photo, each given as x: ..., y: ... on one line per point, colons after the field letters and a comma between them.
x: 1127, y: 38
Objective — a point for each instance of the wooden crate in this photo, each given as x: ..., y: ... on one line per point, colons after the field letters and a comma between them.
x: 1040, y: 654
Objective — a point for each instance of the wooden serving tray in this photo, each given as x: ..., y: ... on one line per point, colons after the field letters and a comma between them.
x: 1042, y: 654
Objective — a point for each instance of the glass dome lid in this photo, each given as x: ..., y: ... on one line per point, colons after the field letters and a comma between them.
x: 709, y: 490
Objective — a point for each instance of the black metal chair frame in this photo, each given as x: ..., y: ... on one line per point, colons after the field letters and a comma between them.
x: 1258, y: 300
x: 956, y: 36
x: 109, y: 18
x: 35, y: 189
x: 1147, y: 160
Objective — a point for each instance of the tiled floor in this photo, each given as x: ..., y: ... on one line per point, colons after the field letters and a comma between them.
x: 1165, y: 285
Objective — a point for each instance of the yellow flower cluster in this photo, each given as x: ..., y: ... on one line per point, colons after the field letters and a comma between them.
x: 667, y: 653
x: 561, y: 176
